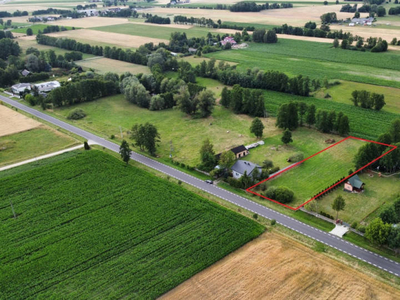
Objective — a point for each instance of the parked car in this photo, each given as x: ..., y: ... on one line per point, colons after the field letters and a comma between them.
x: 209, y: 181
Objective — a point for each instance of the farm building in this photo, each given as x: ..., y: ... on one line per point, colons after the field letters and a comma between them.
x: 46, y: 87
x: 228, y: 39
x: 362, y: 21
x: 242, y: 166
x: 25, y: 73
x: 89, y: 12
x: 20, y: 88
x: 354, y: 184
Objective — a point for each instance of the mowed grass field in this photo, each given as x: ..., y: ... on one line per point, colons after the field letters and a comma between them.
x: 103, y: 65
x: 379, y: 193
x: 35, y: 28
x: 319, y: 172
x: 90, y: 226
x: 318, y: 60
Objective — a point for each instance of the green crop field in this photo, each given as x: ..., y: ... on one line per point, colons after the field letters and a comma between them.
x: 319, y: 172
x: 158, y: 32
x: 318, y: 60
x: 28, y: 144
x: 89, y: 226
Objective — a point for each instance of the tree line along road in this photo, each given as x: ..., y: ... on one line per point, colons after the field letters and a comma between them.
x: 300, y: 227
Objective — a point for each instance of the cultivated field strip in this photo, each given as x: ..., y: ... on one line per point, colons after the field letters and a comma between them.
x: 88, y: 226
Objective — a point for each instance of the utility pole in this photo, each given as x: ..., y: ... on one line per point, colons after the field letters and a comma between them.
x: 12, y: 208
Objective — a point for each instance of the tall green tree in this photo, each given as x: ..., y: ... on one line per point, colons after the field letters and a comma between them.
x: 377, y: 231
x: 287, y: 137
x: 338, y: 205
x: 237, y: 98
x: 257, y: 127
x: 225, y: 97
x: 226, y: 160
x: 146, y: 137
x: 344, y: 126
x: 29, y: 31
x: 302, y: 108
x: 394, y: 131
x: 184, y: 102
x: 310, y: 118
x: 125, y: 151
x: 207, y: 156
x: 205, y: 103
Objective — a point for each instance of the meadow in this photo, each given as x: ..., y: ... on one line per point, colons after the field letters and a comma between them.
x: 35, y: 28
x: 319, y: 172
x: 103, y: 65
x: 106, y: 229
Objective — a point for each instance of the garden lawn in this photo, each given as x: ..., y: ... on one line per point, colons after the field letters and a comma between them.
x: 32, y: 143
x: 106, y: 230
x: 342, y: 93
x: 319, y: 172
x: 379, y: 193
x: 223, y: 128
x: 317, y: 60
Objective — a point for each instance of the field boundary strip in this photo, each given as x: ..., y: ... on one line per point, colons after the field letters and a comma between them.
x: 332, y: 186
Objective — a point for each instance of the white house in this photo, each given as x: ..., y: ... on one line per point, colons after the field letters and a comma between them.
x: 20, y: 88
x: 46, y: 87
x: 242, y: 166
x: 89, y: 12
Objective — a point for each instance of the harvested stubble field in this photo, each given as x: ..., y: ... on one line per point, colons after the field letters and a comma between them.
x: 90, y: 22
x: 94, y: 37
x: 368, y: 31
x: 13, y: 122
x: 276, y: 267
x: 103, y: 65
x: 106, y: 230
x: 319, y: 172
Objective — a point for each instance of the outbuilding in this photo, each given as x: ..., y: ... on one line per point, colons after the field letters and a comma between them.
x: 354, y: 184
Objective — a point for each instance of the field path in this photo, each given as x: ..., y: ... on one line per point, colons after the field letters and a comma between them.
x: 293, y: 224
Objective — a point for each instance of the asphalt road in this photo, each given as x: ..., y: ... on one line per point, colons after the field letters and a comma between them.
x: 307, y: 230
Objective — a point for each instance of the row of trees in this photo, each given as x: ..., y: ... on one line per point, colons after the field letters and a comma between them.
x: 294, y: 114
x: 51, y: 11
x: 198, y: 21
x: 262, y: 36
x: 17, y: 13
x: 254, y: 7
x: 123, y: 13
x: 6, y: 34
x: 82, y: 91
x: 158, y: 20
x: 311, y: 30
x: 394, y: 10
x: 243, y: 101
x: 372, y: 44
x: 8, y: 47
x: 368, y: 100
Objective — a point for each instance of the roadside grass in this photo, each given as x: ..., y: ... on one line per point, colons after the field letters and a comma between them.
x: 103, y: 65
x: 319, y: 172
x: 36, y: 27
x: 100, y: 229
x: 342, y: 93
x: 309, y: 57
x: 379, y: 193
x: 32, y: 143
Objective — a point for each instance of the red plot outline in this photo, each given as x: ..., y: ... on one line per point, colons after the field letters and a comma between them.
x: 300, y: 162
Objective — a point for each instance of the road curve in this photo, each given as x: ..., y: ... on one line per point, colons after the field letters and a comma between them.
x: 300, y: 227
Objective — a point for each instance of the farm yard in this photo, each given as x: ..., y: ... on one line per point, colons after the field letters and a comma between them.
x: 318, y: 172
x: 276, y: 267
x: 116, y: 237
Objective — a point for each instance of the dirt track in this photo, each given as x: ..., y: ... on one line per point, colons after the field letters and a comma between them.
x: 12, y: 122
x: 276, y: 267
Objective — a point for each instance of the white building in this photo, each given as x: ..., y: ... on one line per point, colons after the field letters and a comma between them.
x: 89, y: 12
x: 20, y: 88
x: 46, y: 87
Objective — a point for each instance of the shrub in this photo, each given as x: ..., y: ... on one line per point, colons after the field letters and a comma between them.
x: 296, y: 157
x: 112, y: 137
x: 322, y: 213
x: 319, y: 247
x: 76, y: 114
x: 273, y: 222
x: 354, y: 225
x: 255, y: 216
x: 274, y: 170
x: 86, y: 145
x: 361, y: 229
x: 280, y: 194
x: 179, y: 182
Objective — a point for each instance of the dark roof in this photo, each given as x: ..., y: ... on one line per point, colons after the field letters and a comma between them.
x: 356, y: 182
x: 238, y: 149
x: 242, y: 166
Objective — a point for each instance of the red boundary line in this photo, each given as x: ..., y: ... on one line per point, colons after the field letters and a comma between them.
x: 331, y: 187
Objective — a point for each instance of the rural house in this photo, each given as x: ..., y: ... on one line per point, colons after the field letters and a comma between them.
x: 354, y: 184
x: 20, y: 88
x: 228, y: 39
x: 242, y: 166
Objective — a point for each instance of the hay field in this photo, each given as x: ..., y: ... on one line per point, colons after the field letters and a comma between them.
x: 270, y: 17
x: 103, y: 65
x: 367, y: 31
x: 276, y: 267
x: 100, y: 38
x: 12, y: 122
x: 90, y: 22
